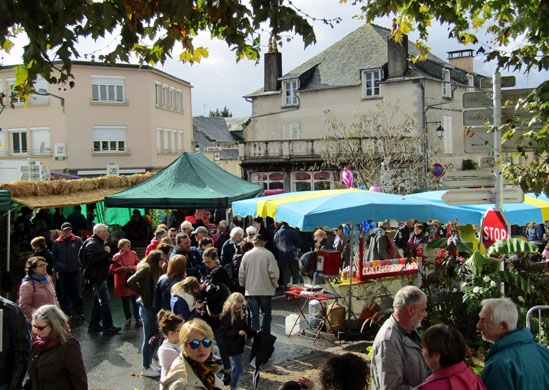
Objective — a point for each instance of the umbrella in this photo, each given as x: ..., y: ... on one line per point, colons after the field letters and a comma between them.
x: 311, y: 209
x: 533, y: 209
x: 262, y: 350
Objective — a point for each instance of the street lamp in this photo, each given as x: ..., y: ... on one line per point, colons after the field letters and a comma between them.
x: 439, y: 130
x: 44, y: 92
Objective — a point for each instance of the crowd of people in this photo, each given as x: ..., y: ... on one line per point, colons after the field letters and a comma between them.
x: 193, y: 290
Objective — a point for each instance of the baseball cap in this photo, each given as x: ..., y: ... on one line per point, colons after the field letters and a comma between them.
x: 200, y: 229
x: 259, y: 237
x: 66, y: 226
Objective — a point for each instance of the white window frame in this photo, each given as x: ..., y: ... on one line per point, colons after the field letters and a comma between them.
x: 268, y: 184
x: 40, y: 140
x: 10, y: 82
x: 446, y: 83
x: 179, y: 100
x: 370, y: 83
x: 312, y: 181
x: 291, y: 131
x: 172, y: 99
x: 290, y: 90
x: 179, y: 140
x: 110, y: 139
x: 470, y: 83
x: 108, y: 89
x: 448, y: 134
x: 158, y: 94
x: 23, y: 136
x: 165, y: 95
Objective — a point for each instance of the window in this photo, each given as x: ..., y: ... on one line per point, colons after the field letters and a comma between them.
x: 18, y: 138
x: 158, y: 94
x: 40, y: 85
x: 172, y: 98
x: 179, y: 100
x: 10, y: 83
x: 370, y: 83
x: 168, y: 140
x: 109, y: 139
x: 108, y: 89
x: 269, y: 180
x: 40, y: 140
x: 173, y: 135
x: 289, y: 93
x: 446, y: 84
x: 470, y: 83
x: 165, y: 96
x: 306, y: 181
x: 291, y: 131
x: 179, y: 140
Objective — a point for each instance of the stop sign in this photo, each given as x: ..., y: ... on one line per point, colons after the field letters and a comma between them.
x: 494, y: 227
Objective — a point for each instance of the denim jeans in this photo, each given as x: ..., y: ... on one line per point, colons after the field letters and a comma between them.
x: 150, y: 329
x: 70, y: 293
x: 255, y: 302
x: 126, y: 306
x: 221, y: 346
x: 101, y: 309
x: 237, y: 369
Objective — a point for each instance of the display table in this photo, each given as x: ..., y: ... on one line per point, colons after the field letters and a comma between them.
x: 296, y: 293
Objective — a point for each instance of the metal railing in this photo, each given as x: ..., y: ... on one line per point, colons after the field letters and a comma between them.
x: 539, y: 308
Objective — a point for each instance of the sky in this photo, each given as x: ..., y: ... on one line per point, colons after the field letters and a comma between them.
x: 220, y: 81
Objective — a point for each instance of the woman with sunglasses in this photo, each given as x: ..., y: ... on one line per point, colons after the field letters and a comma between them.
x: 36, y: 288
x: 55, y: 361
x: 194, y: 368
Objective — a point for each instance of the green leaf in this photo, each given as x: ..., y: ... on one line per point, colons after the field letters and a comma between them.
x: 511, y: 246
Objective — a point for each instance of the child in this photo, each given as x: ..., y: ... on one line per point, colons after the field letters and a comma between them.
x: 183, y: 299
x: 234, y: 329
x: 169, y: 325
x: 123, y: 266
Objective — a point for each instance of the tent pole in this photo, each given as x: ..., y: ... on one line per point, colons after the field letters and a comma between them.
x: 8, y: 242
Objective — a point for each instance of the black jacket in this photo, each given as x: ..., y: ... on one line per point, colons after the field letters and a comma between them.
x: 234, y: 343
x: 98, y: 260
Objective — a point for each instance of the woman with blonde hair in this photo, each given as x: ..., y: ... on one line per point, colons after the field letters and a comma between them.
x: 194, y: 368
x: 143, y: 282
x: 37, y: 288
x: 183, y: 298
x: 234, y: 328
x: 55, y: 361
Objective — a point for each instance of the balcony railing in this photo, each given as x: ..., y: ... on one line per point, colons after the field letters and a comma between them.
x: 281, y: 150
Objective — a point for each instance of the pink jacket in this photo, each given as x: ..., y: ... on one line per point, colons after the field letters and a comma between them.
x: 33, y: 294
x: 456, y: 377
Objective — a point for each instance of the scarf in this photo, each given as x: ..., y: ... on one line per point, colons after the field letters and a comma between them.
x: 44, y: 343
x: 42, y: 279
x: 204, y: 371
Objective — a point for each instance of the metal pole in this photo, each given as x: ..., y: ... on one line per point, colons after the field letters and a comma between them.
x: 497, y: 139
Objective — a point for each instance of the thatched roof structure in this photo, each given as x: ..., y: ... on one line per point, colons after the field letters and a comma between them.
x: 62, y: 193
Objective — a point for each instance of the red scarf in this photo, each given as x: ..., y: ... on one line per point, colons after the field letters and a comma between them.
x: 43, y: 344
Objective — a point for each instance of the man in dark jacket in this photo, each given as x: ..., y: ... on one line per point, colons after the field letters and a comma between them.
x: 68, y: 271
x: 287, y: 243
x: 403, y: 235
x: 14, y: 345
x: 194, y: 258
x: 97, y: 258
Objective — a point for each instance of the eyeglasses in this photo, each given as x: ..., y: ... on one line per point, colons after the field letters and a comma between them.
x: 194, y: 344
x: 40, y: 328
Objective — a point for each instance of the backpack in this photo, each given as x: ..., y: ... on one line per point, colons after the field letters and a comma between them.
x: 83, y: 257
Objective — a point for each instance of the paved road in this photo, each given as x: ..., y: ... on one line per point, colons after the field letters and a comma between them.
x: 114, y: 362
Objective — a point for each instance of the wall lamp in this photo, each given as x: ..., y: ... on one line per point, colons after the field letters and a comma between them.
x: 197, y: 148
x: 439, y: 129
x: 43, y: 92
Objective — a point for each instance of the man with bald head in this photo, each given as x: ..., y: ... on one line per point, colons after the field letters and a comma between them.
x: 397, y: 362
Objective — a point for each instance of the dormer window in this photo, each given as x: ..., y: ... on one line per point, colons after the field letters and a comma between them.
x: 446, y: 84
x: 289, y: 93
x: 370, y: 83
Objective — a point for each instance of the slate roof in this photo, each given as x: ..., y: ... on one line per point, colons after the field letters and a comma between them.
x: 215, y: 129
x: 366, y: 47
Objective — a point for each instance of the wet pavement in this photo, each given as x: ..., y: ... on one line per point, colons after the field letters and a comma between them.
x: 114, y: 362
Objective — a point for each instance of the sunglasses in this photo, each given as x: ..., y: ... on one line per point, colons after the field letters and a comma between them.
x: 40, y: 328
x: 207, y: 343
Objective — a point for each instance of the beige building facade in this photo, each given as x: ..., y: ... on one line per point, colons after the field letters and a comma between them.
x: 134, y: 118
x: 290, y: 114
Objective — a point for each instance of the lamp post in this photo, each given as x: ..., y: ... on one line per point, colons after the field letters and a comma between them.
x: 439, y: 130
x: 43, y: 92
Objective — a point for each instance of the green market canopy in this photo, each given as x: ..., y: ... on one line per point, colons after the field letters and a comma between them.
x: 191, y: 181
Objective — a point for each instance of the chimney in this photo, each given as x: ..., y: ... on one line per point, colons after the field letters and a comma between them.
x: 273, y: 68
x: 397, y: 55
x: 462, y: 59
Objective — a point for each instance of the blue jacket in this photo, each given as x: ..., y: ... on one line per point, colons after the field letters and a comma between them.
x: 65, y: 254
x: 516, y: 362
x: 287, y: 243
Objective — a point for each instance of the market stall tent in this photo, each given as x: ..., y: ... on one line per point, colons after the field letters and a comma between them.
x: 192, y: 181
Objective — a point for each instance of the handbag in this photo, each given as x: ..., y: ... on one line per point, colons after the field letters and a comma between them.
x: 128, y: 275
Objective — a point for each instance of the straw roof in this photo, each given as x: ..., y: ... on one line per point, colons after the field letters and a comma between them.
x: 62, y: 193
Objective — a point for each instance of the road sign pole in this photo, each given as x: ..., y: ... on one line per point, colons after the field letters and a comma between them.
x: 497, y: 139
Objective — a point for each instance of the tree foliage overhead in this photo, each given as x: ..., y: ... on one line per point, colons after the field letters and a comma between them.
x: 224, y: 113
x: 517, y: 39
x: 149, y: 29
x: 381, y: 147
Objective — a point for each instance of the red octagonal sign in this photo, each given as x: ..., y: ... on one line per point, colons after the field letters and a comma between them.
x: 494, y: 227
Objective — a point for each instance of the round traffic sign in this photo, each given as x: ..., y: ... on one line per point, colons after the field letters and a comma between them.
x: 438, y: 170
x: 494, y: 227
